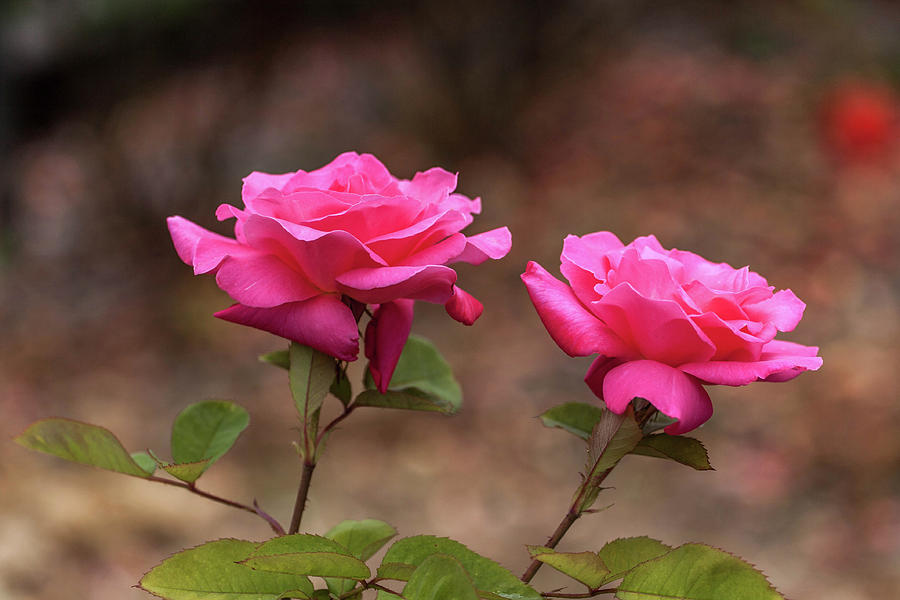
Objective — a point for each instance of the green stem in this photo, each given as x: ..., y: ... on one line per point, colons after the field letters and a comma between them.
x: 589, y: 594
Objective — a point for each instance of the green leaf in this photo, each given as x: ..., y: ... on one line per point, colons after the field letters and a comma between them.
x: 422, y: 380
x: 487, y: 575
x: 440, y: 577
x: 363, y: 539
x: 212, y: 571
x: 696, y: 572
x: 656, y: 422
x: 187, y: 472
x: 578, y: 418
x: 311, y: 373
x: 622, y: 555
x: 82, y: 443
x: 144, y: 461
x: 613, y: 437
x: 341, y: 388
x: 304, y: 554
x: 685, y: 450
x: 398, y: 571
x: 585, y: 567
x: 206, y: 430
x: 278, y: 358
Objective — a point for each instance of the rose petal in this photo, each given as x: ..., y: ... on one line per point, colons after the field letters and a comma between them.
x: 263, y: 281
x: 431, y: 186
x: 595, y: 375
x: 256, y: 183
x: 386, y: 334
x: 322, y: 322
x: 731, y: 343
x: 658, y: 329
x: 438, y: 254
x: 674, y: 393
x: 783, y: 309
x: 779, y: 361
x: 569, y: 323
x: 493, y: 244
x: 199, y: 247
x: 463, y: 307
x: 432, y: 283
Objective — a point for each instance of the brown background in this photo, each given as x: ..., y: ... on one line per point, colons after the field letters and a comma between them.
x: 693, y: 121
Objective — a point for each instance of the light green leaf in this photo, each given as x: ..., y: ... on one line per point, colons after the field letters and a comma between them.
x: 212, y: 571
x: 187, y: 472
x: 681, y: 449
x: 278, y: 358
x: 363, y: 539
x: 82, y: 443
x: 487, y: 575
x: 585, y: 567
x: 622, y: 555
x: 578, y: 418
x: 696, y: 572
x: 440, y: 577
x: 311, y: 374
x: 144, y: 461
x: 613, y: 437
x: 423, y: 380
x: 206, y: 430
x: 398, y: 571
x: 304, y: 554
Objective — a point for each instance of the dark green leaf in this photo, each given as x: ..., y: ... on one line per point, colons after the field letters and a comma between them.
x: 393, y: 570
x: 304, y: 554
x: 212, y: 571
x: 487, y: 575
x: 613, y: 437
x: 341, y: 388
x: 622, y: 555
x: 144, y: 461
x: 206, y: 430
x: 279, y: 358
x: 696, y: 572
x: 422, y: 380
x: 585, y: 567
x: 363, y: 539
x: 681, y: 449
x: 82, y: 443
x: 311, y: 375
x: 656, y: 422
x: 440, y: 577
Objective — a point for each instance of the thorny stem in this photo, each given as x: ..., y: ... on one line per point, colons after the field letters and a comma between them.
x: 302, y: 492
x: 330, y: 426
x: 276, y: 527
x: 575, y: 512
x: 589, y: 594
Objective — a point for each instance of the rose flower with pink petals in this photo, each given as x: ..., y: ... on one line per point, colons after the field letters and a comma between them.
x: 665, y: 323
x: 310, y: 247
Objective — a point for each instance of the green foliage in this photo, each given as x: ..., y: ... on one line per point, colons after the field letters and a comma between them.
x: 440, y: 577
x: 278, y: 358
x: 624, y: 554
x: 187, y: 472
x: 304, y: 554
x: 363, y: 539
x: 341, y: 388
x: 685, y: 450
x: 311, y: 373
x: 577, y: 418
x: 656, y: 422
x: 486, y: 575
x: 145, y: 461
x: 207, y: 430
x: 422, y: 380
x: 82, y: 443
x: 613, y: 437
x: 585, y: 567
x: 212, y: 570
x: 696, y: 572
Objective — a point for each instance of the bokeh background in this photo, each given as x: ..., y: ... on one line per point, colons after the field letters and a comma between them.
x: 752, y: 132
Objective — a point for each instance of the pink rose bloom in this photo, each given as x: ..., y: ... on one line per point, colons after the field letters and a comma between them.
x: 310, y: 248
x: 665, y: 323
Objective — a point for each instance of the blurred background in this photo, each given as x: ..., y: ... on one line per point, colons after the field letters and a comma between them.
x: 752, y: 132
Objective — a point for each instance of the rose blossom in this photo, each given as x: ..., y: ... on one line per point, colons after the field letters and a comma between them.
x: 309, y: 246
x: 665, y: 323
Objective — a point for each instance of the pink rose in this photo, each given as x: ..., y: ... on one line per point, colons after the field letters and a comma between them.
x: 665, y: 323
x: 310, y: 248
